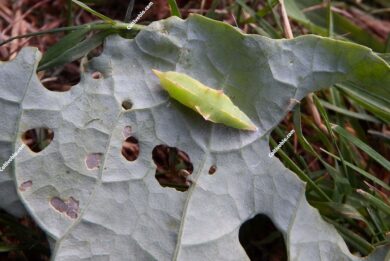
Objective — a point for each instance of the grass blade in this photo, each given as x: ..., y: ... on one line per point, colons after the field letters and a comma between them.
x: 375, y: 103
x: 267, y: 8
x: 375, y: 201
x: 94, y: 25
x: 356, y: 115
x: 360, y: 171
x: 129, y: 11
x: 363, y: 146
x: 211, y: 12
x: 354, y: 239
x: 335, y: 210
x: 300, y: 172
x: 78, y: 51
x: 6, y: 248
x: 324, y: 115
x: 174, y: 8
x: 64, y: 44
x: 69, y: 15
x: 264, y: 25
x: 90, y: 10
x: 377, y: 223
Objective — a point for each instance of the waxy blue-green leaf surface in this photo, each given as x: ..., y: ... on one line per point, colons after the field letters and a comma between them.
x: 124, y: 214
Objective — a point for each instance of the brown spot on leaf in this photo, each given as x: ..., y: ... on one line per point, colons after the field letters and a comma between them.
x: 25, y: 185
x: 70, y: 206
x: 126, y: 132
x: 173, y: 167
x: 58, y: 204
x: 73, y: 208
x: 96, y: 75
x: 93, y: 160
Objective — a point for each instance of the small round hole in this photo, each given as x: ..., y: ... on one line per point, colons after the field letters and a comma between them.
x: 130, y: 149
x: 127, y: 104
x: 212, y: 169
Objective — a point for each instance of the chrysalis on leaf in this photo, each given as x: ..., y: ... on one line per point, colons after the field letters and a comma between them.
x: 212, y: 104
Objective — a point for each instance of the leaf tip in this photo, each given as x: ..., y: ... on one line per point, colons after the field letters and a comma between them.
x: 157, y: 72
x: 252, y: 128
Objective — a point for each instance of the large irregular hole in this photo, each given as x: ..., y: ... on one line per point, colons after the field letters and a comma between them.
x: 261, y: 240
x: 130, y: 148
x: 70, y: 206
x: 93, y: 160
x: 61, y: 78
x: 173, y: 167
x: 38, y: 139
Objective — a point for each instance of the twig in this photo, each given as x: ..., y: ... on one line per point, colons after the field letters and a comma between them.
x: 24, y: 15
x: 314, y: 112
x: 201, y: 11
x: 15, y: 31
x: 286, y: 22
x: 289, y: 35
x: 202, y: 6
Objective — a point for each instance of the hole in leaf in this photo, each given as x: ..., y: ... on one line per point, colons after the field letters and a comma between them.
x: 212, y: 169
x: 173, y: 167
x: 127, y: 104
x: 25, y: 185
x: 38, y: 139
x: 70, y: 206
x: 261, y: 240
x: 61, y: 78
x: 93, y: 160
x: 96, y: 75
x: 130, y: 149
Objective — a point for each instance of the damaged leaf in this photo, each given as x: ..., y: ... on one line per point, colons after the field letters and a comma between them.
x: 118, y: 209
